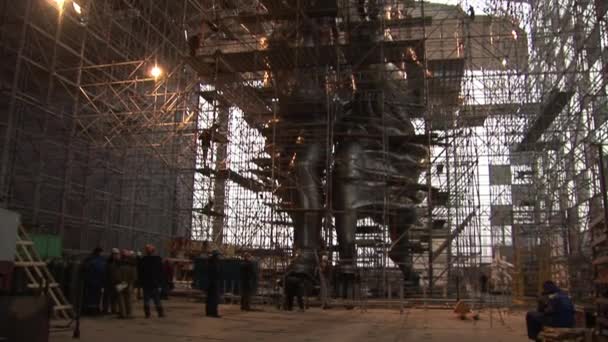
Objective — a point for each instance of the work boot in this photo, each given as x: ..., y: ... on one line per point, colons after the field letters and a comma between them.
x: 160, y: 311
x: 147, y: 312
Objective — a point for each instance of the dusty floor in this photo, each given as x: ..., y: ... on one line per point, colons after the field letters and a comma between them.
x: 186, y: 322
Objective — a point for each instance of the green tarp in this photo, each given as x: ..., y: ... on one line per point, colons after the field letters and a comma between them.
x: 47, y: 246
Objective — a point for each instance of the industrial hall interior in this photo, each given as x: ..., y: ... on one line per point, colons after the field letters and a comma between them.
x: 303, y: 170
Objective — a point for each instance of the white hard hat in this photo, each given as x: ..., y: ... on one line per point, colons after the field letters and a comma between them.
x: 115, y: 251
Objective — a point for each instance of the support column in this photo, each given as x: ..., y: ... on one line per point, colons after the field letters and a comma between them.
x: 219, y: 184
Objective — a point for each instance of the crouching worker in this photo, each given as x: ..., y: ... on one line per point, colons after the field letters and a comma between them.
x: 555, y: 309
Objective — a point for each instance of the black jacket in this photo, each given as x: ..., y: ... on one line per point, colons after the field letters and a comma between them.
x: 214, y: 273
x: 150, y: 271
x: 247, y: 275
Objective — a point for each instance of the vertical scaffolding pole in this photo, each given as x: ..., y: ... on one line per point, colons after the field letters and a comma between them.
x: 219, y: 184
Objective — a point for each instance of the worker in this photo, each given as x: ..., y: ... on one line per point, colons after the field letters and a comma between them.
x: 93, y: 271
x: 247, y: 282
x: 483, y: 283
x: 206, y: 137
x: 138, y: 257
x: 555, y: 309
x: 167, y: 280
x: 109, y: 304
x: 213, y: 288
x: 194, y: 42
x: 151, y: 277
x: 323, y: 273
x: 294, y: 287
x: 127, y: 275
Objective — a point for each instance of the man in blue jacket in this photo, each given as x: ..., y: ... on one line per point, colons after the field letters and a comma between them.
x: 555, y: 309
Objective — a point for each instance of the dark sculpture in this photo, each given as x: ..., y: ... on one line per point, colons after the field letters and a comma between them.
x: 364, y: 116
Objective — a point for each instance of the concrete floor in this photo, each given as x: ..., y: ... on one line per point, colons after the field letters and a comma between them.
x: 186, y: 322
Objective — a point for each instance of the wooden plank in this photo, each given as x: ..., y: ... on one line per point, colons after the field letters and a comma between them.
x: 454, y: 235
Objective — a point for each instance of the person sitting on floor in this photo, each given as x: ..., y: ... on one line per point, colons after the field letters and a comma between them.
x: 555, y: 309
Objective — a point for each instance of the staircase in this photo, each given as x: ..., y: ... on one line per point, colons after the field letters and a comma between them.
x: 39, y: 276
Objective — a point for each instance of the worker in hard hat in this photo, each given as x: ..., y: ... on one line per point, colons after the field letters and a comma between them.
x: 151, y: 277
x: 127, y: 273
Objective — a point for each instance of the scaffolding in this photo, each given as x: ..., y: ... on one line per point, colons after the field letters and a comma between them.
x: 508, y: 98
x: 453, y: 51
x: 95, y: 148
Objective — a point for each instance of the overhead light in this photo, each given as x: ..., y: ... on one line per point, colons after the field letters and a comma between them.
x: 77, y: 7
x: 504, y: 62
x: 156, y: 71
x: 514, y: 34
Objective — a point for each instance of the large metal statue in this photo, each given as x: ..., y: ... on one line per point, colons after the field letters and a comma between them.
x: 377, y: 158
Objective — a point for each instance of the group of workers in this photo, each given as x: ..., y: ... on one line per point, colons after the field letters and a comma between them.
x: 247, y: 285
x: 108, y: 283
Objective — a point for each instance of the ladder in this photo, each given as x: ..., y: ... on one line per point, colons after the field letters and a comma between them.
x: 39, y: 276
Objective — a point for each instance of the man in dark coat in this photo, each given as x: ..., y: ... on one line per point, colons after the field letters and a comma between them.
x: 213, y: 288
x: 555, y: 309
x: 294, y: 287
x: 151, y: 279
x: 94, y: 268
x: 248, y: 278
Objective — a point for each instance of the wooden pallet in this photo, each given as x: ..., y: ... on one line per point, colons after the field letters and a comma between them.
x: 563, y: 334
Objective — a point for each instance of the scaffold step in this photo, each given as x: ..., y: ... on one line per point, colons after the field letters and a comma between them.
x: 30, y: 263
x: 36, y: 286
x: 227, y: 174
x: 25, y: 243
x: 553, y: 104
